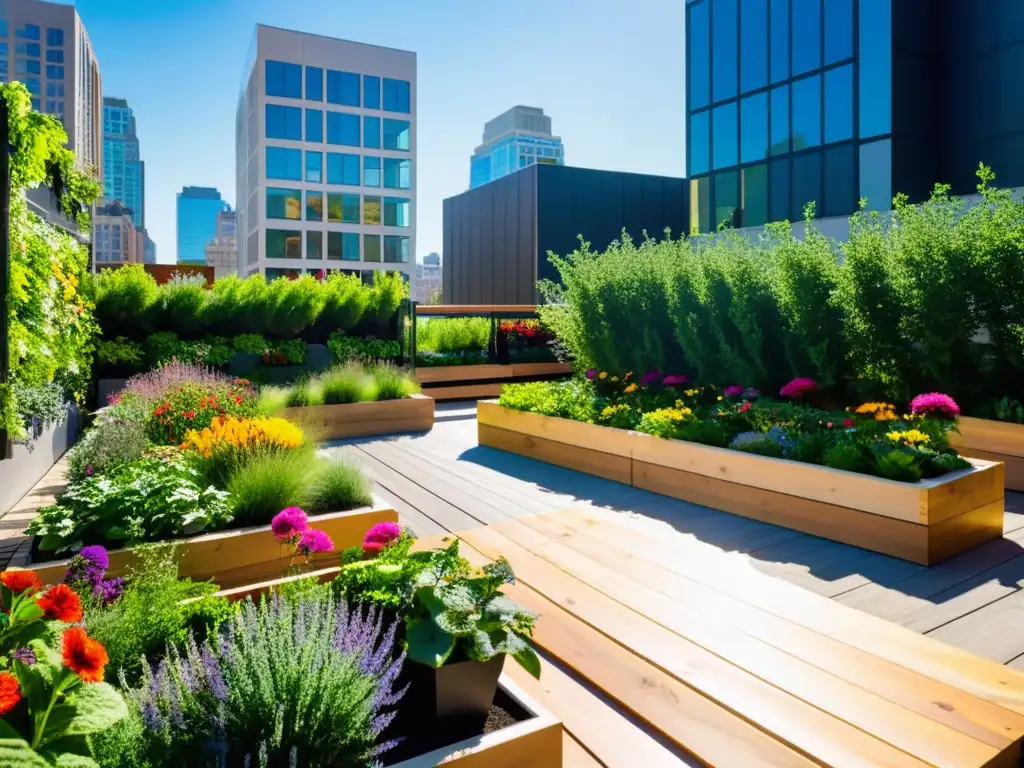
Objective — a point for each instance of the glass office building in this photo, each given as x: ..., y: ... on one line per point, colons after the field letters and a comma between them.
x: 124, y: 173
x: 828, y: 101
x: 198, y: 209
x: 517, y: 138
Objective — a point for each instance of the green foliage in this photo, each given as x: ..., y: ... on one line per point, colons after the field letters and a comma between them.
x: 304, y: 393
x: 149, y: 499
x: 336, y: 484
x: 290, y: 352
x: 45, y: 403
x: 1009, y: 409
x: 346, y: 349
x: 181, y: 305
x: 570, y: 400
x: 273, y: 400
x: 347, y: 384
x: 251, y: 343
x: 452, y: 334
x: 346, y: 300
x: 343, y: 384
x: 110, y: 444
x: 392, y: 383
x: 120, y: 351
x: 294, y: 305
x: 125, y: 298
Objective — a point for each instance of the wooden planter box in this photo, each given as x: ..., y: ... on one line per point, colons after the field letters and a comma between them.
x: 386, y: 417
x: 244, y: 555
x: 924, y: 522
x: 994, y: 441
x: 451, y: 382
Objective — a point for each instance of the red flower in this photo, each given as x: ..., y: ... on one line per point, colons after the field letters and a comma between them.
x: 238, y: 399
x: 189, y: 414
x: 83, y: 655
x: 849, y: 423
x: 62, y: 603
x: 744, y: 408
x: 20, y: 580
x: 10, y: 692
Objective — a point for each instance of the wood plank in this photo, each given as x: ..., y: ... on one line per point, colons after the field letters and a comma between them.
x: 965, y: 493
x: 1013, y: 466
x: 938, y: 661
x: 617, y: 442
x: 786, y: 718
x: 337, y: 422
x: 463, y: 391
x: 526, y: 370
x: 606, y: 465
x: 574, y: 755
x: 467, y: 309
x: 994, y: 631
x: 963, y: 712
x: 467, y: 373
x: 964, y: 532
x: 989, y: 435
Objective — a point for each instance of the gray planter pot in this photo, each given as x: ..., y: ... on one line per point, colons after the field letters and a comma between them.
x: 32, y: 458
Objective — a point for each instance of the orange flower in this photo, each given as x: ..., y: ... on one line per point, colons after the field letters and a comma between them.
x: 10, y: 692
x: 83, y: 655
x: 18, y: 580
x: 61, y: 602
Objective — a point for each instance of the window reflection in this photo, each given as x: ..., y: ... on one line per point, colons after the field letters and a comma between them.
x: 700, y: 143
x: 284, y: 163
x: 780, y: 120
x: 807, y: 112
x: 342, y: 169
x: 314, y: 84
x: 840, y: 188
x: 753, y: 44
x: 397, y: 96
x: 314, y: 206
x: 724, y: 49
x: 343, y: 88
x: 371, y: 132
x: 778, y: 191
x: 283, y: 244
x: 284, y: 203
x: 397, y: 173
x: 371, y: 210
x: 838, y: 30
x: 283, y: 122
x: 283, y: 79
x: 396, y: 249
x: 755, y: 195
x: 724, y: 127
x: 839, y: 104
x: 754, y: 128
x: 334, y: 250
x: 875, y: 85
x: 396, y: 212
x: 314, y: 244
x: 343, y: 129
x: 876, y: 174
x: 700, y: 205
x: 699, y: 55
x: 315, y: 125
x: 806, y: 184
x: 806, y: 36
x: 371, y: 247
x: 396, y: 134
x: 727, y: 199
x: 315, y: 167
x: 780, y: 40
x: 371, y: 92
x: 350, y: 246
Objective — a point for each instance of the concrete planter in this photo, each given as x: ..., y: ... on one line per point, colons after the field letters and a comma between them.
x: 33, y: 458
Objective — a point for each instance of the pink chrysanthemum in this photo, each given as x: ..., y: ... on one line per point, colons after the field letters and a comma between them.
x: 312, y: 540
x: 735, y: 390
x: 674, y: 380
x: 380, y: 535
x: 289, y: 524
x: 935, y: 404
x: 591, y: 374
x: 651, y: 377
x: 799, y: 388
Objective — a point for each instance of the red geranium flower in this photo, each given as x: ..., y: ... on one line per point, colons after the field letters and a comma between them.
x: 10, y: 692
x: 83, y: 655
x: 20, y: 580
x: 61, y: 602
x: 849, y: 423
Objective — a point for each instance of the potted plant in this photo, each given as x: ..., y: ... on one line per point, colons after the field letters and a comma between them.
x: 457, y: 628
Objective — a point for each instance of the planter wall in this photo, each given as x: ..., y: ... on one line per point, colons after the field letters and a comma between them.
x: 924, y: 522
x: 452, y: 382
x: 994, y: 441
x: 387, y: 417
x: 107, y: 387
x: 245, y: 555
x: 32, y: 459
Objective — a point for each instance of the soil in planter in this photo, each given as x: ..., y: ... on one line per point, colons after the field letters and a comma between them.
x: 504, y: 712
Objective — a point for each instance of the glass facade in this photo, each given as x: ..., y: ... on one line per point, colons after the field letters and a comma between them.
x: 197, y: 210
x: 124, y: 171
x: 783, y: 97
x: 508, y: 155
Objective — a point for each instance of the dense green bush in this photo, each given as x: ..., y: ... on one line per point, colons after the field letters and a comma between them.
x: 452, y: 334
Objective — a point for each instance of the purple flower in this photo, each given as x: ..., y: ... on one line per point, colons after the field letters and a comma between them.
x: 380, y: 535
x: 289, y: 524
x: 935, y: 404
x: 591, y: 374
x: 751, y: 393
x: 109, y: 590
x: 89, y: 470
x: 148, y: 388
x: 674, y: 380
x: 651, y: 377
x: 799, y: 388
x: 97, y: 555
x: 25, y: 656
x: 312, y: 540
x: 733, y: 391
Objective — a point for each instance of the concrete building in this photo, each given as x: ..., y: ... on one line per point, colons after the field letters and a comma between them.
x: 326, y: 156
x: 227, y: 224
x: 497, y: 236
x: 115, y: 239
x: 514, y: 139
x: 148, y: 248
x: 124, y: 172
x: 429, y: 280
x: 198, y: 210
x: 222, y: 255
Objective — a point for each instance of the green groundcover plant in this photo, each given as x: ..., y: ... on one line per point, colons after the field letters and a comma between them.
x: 341, y: 385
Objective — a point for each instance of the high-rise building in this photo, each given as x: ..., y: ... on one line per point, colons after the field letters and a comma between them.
x: 148, y: 248
x: 198, y: 209
x: 45, y: 46
x: 429, y: 279
x: 830, y: 101
x: 326, y: 156
x: 124, y: 172
x: 115, y: 239
x: 222, y: 251
x: 514, y: 139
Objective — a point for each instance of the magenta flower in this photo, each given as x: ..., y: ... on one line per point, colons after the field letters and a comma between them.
x: 380, y: 535
x: 935, y: 404
x: 674, y: 381
x: 97, y: 555
x: 89, y: 470
x: 289, y: 524
x: 799, y: 388
x: 591, y: 374
x: 312, y: 540
x: 651, y: 377
x: 25, y: 655
x: 733, y: 391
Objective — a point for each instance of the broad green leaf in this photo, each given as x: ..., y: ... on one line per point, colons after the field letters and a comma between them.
x: 69, y: 760
x: 458, y: 597
x: 97, y: 707
x: 529, y: 660
x: 7, y: 731
x: 69, y: 752
x: 428, y: 644
x: 458, y: 624
x: 16, y: 753
x: 427, y: 597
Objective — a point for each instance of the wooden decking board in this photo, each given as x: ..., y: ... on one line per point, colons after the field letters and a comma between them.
x: 994, y: 631
x: 963, y: 712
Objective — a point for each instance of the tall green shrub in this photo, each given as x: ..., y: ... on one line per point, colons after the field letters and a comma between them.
x: 181, y: 306
x: 294, y: 305
x: 125, y: 298
x: 345, y: 302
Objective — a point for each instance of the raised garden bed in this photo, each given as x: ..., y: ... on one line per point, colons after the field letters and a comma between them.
x: 384, y: 417
x: 30, y: 460
x: 924, y: 522
x: 994, y: 441
x: 451, y: 382
x: 244, y: 555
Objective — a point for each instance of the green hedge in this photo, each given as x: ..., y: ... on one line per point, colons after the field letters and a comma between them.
x: 130, y: 304
x: 929, y: 298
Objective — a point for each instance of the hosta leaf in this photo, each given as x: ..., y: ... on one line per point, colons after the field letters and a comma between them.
x: 459, y: 624
x: 16, y: 753
x: 428, y: 644
x: 457, y: 597
x: 96, y: 707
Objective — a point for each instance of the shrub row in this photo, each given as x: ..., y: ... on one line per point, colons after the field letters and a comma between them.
x: 928, y: 298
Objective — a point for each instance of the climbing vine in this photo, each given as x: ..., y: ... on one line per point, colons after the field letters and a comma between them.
x: 50, y: 322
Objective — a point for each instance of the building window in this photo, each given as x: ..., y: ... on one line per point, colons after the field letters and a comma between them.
x: 283, y: 122
x: 724, y: 54
x: 779, y: 44
x: 396, y: 173
x: 284, y: 203
x: 371, y: 92
x: 780, y: 120
x: 334, y: 246
x: 753, y: 44
x: 371, y: 210
x: 806, y: 36
x: 350, y: 246
x: 876, y: 174
x: 342, y: 88
x: 315, y: 125
x: 3, y: 28
x: 284, y: 163
x: 396, y: 249
x: 315, y: 167
x: 396, y: 134
x: 55, y: 57
x: 54, y: 36
x: 283, y: 79
x: 806, y: 184
x: 314, y: 244
x: 27, y: 67
x: 700, y: 205
x: 284, y: 244
x: 314, y: 84
x: 27, y: 49
x: 54, y: 72
x: 807, y: 113
x: 727, y: 199
x: 840, y: 198
x: 838, y: 30
x: 314, y: 206
x: 371, y: 248
x: 371, y: 132
x: 724, y: 127
x: 397, y: 96
x: 778, y: 190
x: 875, y: 63
x: 371, y: 171
x: 396, y: 212
x: 55, y: 90
x: 700, y: 143
x: 839, y: 104
x: 342, y: 128
x: 754, y: 127
x: 343, y: 208
x: 27, y: 32
x: 700, y: 55
x: 755, y: 195
x: 343, y: 169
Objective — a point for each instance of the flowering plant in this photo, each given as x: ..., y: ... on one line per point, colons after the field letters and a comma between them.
x: 936, y: 405
x: 799, y: 387
x: 86, y: 573
x: 232, y: 434
x: 192, y: 408
x: 50, y: 700
x: 290, y: 526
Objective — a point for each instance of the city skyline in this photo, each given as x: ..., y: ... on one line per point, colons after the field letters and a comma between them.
x: 185, y: 105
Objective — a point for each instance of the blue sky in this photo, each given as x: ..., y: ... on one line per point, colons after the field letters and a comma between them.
x: 608, y: 72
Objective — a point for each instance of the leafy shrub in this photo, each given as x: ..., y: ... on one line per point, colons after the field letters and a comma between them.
x: 304, y: 393
x: 120, y: 351
x: 294, y: 305
x: 291, y: 352
x: 110, y: 444
x: 125, y: 298
x: 45, y: 403
x: 452, y: 334
x: 347, y: 349
x: 392, y: 384
x: 346, y: 384
x: 147, y: 500
x: 192, y: 406
x: 252, y: 343
x: 273, y: 400
x: 268, y: 483
x: 338, y: 485
x: 230, y: 442
x: 181, y: 304
x: 346, y: 300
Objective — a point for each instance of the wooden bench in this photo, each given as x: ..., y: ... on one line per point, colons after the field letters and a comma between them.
x: 663, y: 651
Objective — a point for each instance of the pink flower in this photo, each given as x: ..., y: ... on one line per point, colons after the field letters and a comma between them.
x: 289, y: 524
x: 734, y: 391
x: 312, y: 540
x: 651, y: 377
x: 89, y: 470
x: 380, y: 535
x: 674, y: 381
x: 935, y: 404
x: 591, y: 374
x: 743, y: 408
x: 799, y: 388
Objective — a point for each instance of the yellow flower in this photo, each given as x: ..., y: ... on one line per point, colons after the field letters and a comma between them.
x: 680, y: 404
x: 628, y: 376
x: 910, y: 437
x: 719, y: 398
x: 615, y: 378
x: 630, y: 389
x: 603, y: 375
x: 692, y: 392
x: 243, y: 434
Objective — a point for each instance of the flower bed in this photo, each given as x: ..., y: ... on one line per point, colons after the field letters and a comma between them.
x: 867, y: 478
